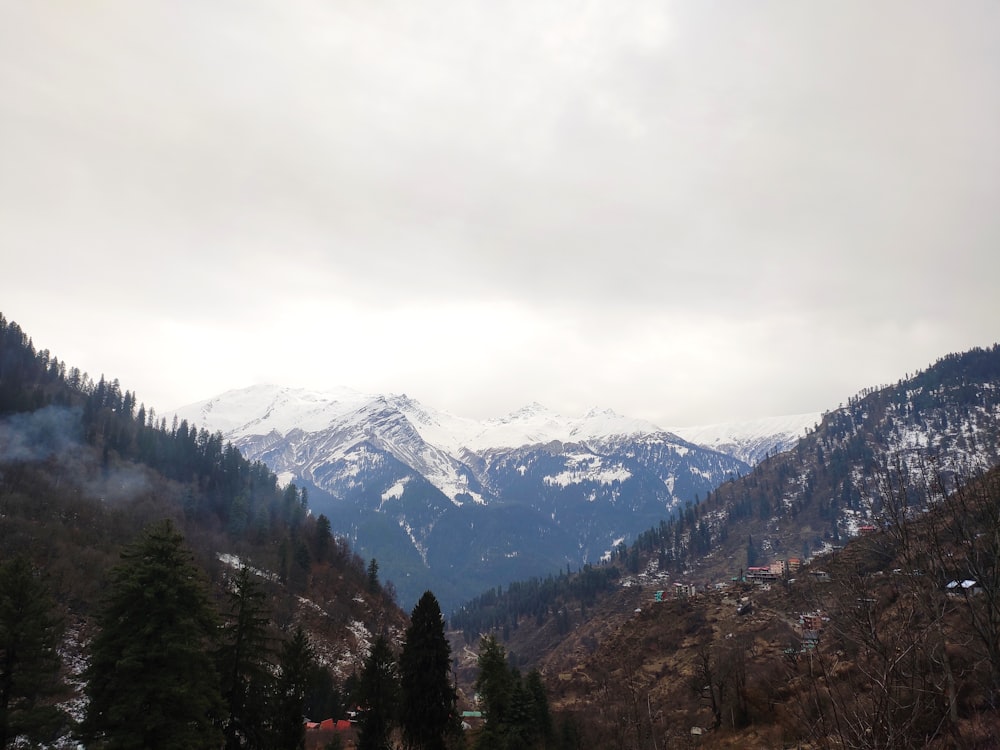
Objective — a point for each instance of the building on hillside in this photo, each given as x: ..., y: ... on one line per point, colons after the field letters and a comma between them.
x: 966, y: 588
x: 683, y: 590
x: 812, y: 621
x: 761, y: 574
x: 794, y: 563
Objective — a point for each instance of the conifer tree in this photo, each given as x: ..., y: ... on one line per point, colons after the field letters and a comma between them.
x: 244, y: 663
x: 495, y: 686
x: 541, y: 716
x: 428, y: 697
x: 29, y: 663
x: 152, y: 682
x: 324, y: 538
x: 516, y: 711
x: 297, y: 664
x: 378, y: 695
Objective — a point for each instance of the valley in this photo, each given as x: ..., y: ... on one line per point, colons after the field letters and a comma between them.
x: 662, y: 593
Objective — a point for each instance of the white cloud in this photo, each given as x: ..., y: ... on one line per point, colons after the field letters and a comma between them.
x: 686, y: 212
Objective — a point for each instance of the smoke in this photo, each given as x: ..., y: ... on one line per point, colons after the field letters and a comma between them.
x: 39, y: 435
x: 120, y: 485
x: 55, y: 434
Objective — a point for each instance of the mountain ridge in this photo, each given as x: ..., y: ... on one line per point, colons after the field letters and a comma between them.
x: 583, y: 484
x: 532, y: 424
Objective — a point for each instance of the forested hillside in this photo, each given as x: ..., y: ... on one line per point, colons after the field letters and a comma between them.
x: 945, y: 420
x: 87, y: 474
x: 904, y: 477
x: 890, y: 642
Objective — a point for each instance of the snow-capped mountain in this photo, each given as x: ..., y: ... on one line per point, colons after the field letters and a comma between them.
x: 751, y: 441
x: 476, y: 502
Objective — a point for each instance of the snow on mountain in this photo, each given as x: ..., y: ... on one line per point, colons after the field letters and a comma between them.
x: 261, y: 409
x: 752, y: 440
x: 302, y: 430
x: 537, y: 425
x: 265, y: 409
x: 425, y: 490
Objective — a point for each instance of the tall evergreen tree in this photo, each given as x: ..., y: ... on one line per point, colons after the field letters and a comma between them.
x: 495, y: 686
x: 152, y: 682
x: 324, y: 538
x: 541, y: 716
x: 297, y: 665
x: 244, y: 661
x: 378, y: 695
x: 516, y: 711
x: 29, y: 663
x: 428, y: 697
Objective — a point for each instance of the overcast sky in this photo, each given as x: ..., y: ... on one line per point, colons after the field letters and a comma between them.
x: 688, y: 212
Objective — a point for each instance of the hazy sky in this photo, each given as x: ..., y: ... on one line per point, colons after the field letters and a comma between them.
x: 685, y: 211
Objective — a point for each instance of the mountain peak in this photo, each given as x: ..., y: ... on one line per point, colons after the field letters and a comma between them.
x: 597, y: 411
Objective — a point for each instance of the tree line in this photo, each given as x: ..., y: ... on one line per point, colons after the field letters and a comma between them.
x: 166, y: 668
x: 66, y: 439
x: 539, y: 598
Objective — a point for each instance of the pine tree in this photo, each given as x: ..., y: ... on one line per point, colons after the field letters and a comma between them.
x: 297, y: 664
x: 324, y: 538
x: 244, y: 663
x: 29, y: 663
x: 152, y: 682
x: 541, y: 716
x: 428, y: 697
x: 495, y: 686
x: 378, y: 695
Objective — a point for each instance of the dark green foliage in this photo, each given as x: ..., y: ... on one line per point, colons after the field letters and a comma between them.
x: 324, y: 698
x: 373, y: 584
x: 152, y: 681
x: 297, y: 667
x: 540, y: 598
x: 324, y: 538
x: 244, y: 662
x: 224, y: 490
x: 541, y: 718
x: 83, y: 466
x: 428, y: 697
x: 495, y: 687
x: 378, y: 696
x: 29, y: 663
x: 569, y: 737
x: 516, y: 710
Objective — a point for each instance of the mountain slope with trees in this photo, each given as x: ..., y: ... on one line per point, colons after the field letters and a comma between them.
x: 887, y: 643
x: 85, y: 471
x: 903, y: 477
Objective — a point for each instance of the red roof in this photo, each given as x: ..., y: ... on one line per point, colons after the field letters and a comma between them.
x: 329, y: 725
